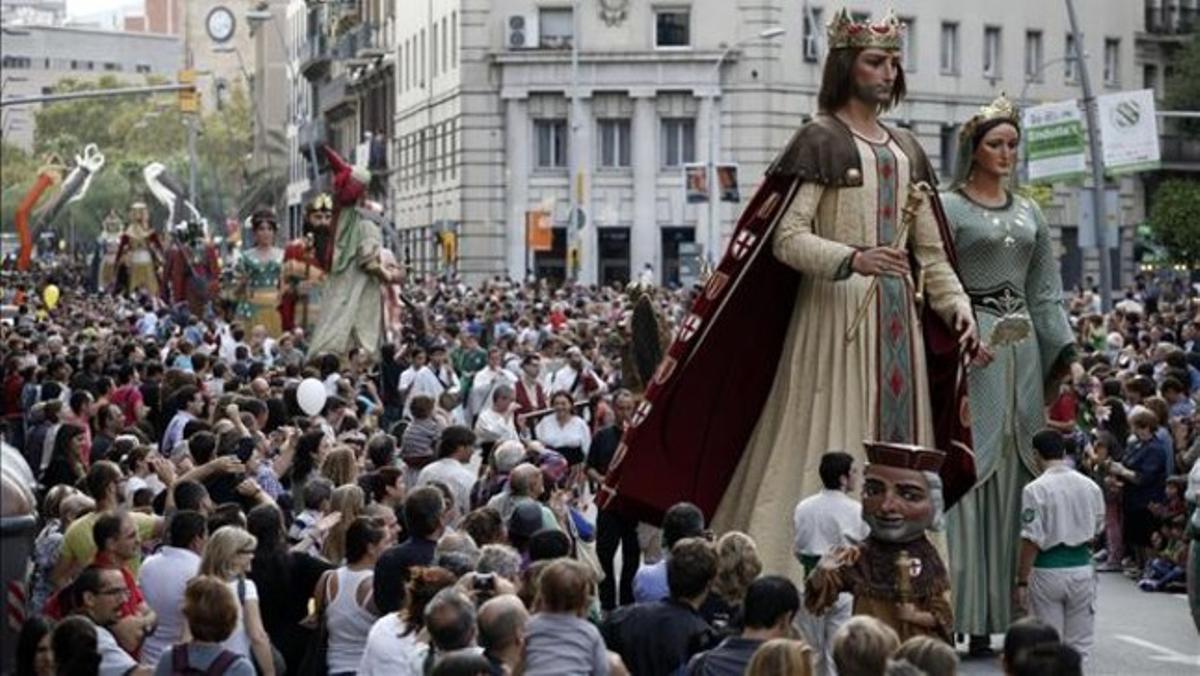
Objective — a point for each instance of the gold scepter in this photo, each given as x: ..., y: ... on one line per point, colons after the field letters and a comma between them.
x: 916, y: 195
x: 904, y: 564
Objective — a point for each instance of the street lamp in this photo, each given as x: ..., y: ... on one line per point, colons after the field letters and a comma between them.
x: 1030, y: 78
x: 713, y: 236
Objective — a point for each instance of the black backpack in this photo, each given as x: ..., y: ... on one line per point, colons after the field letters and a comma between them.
x: 181, y: 667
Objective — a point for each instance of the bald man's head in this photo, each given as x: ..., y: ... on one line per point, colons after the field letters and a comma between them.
x: 526, y: 479
x: 502, y: 623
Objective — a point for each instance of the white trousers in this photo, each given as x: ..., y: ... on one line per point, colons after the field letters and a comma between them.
x: 818, y: 631
x: 1065, y: 598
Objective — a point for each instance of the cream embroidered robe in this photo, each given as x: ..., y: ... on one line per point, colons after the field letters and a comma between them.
x: 829, y: 394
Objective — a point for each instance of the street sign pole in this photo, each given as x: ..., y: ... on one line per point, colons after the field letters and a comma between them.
x: 1093, y: 131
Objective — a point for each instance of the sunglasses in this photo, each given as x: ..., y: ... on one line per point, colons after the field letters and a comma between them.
x: 248, y: 552
x: 115, y: 591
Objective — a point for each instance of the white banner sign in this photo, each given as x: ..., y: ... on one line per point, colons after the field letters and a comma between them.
x: 1128, y: 131
x: 1087, y: 219
x: 1054, y: 147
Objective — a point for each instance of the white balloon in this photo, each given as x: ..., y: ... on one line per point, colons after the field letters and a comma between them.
x: 311, y: 395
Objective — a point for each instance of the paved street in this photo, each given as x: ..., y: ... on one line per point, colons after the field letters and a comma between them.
x: 1136, y: 634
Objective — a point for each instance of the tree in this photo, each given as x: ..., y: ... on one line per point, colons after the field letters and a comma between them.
x: 133, y: 132
x: 1183, y: 87
x: 1175, y: 219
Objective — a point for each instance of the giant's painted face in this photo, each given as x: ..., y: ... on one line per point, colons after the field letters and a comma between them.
x: 897, y: 503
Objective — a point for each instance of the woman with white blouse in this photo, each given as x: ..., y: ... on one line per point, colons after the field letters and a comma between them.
x: 228, y: 555
x: 564, y: 431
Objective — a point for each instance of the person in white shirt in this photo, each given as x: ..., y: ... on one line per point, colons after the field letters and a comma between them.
x: 452, y: 467
x: 1062, y: 511
x: 823, y: 521
x: 486, y: 380
x: 227, y: 556
x: 576, y: 377
x: 564, y: 431
x: 409, y: 375
x: 163, y: 579
x: 495, y: 423
x: 434, y: 378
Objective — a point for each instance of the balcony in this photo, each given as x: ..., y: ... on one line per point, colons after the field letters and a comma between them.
x: 360, y: 41
x: 315, y: 56
x: 1169, y: 18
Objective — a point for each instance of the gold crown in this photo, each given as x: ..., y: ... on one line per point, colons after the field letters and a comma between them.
x: 322, y: 202
x: 999, y: 109
x: 843, y: 32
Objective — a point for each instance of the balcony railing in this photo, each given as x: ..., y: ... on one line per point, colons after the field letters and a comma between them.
x: 353, y: 40
x: 1164, y: 17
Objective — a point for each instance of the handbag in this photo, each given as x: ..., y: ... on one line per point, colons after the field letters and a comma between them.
x: 315, y: 661
x: 585, y: 550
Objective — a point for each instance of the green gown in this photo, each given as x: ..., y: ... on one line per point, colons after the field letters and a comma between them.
x: 1007, y: 265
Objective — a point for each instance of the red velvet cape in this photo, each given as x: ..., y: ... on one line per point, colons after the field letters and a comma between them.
x: 688, y: 434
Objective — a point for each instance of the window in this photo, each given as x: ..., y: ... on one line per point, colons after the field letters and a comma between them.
x: 1070, y: 60
x: 555, y: 28
x: 419, y: 80
x: 614, y: 143
x: 408, y: 64
x: 1112, y: 62
x: 949, y: 148
x: 908, y: 44
x: 453, y: 151
x: 813, y: 31
x: 110, y: 66
x: 678, y: 141
x: 445, y: 146
x: 672, y: 28
x: 1033, y: 56
x: 421, y: 157
x: 1150, y: 78
x: 991, y: 52
x: 433, y: 33
x: 11, y: 61
x: 949, y: 49
x: 454, y: 39
x: 551, y: 137
x: 445, y: 41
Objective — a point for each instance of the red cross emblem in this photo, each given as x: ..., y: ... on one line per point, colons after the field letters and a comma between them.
x: 742, y: 244
x: 689, y: 327
x: 639, y: 415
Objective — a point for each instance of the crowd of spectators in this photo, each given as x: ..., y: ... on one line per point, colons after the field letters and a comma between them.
x: 435, y: 516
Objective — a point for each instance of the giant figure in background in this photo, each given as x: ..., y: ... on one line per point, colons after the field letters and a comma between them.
x: 352, y: 296
x: 259, y: 269
x: 1006, y: 259
x: 140, y: 252
x: 193, y: 269
x: 306, y: 261
x: 107, y: 243
x: 809, y: 335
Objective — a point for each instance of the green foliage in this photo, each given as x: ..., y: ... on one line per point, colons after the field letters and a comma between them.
x: 1183, y: 87
x: 134, y: 131
x: 1041, y: 193
x: 1175, y: 219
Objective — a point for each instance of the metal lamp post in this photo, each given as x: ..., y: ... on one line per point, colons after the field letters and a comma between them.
x: 713, y: 234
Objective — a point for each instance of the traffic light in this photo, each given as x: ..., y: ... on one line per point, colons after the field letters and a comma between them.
x: 189, y: 99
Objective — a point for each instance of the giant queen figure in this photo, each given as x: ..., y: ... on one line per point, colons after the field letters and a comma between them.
x: 836, y: 315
